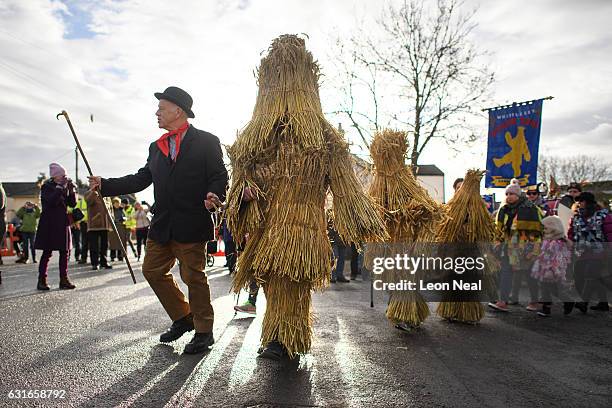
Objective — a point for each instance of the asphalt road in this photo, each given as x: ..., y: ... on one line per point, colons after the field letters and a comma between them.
x: 99, y: 343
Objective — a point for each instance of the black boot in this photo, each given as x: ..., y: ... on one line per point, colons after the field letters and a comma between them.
x: 568, y: 307
x: 200, y: 342
x: 177, y: 329
x: 66, y: 284
x: 273, y: 351
x: 582, y: 306
x: 601, y: 307
x: 42, y: 284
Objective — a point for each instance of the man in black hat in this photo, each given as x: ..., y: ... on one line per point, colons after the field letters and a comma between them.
x: 186, y: 168
x: 573, y: 191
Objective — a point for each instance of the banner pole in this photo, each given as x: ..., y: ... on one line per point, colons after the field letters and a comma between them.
x: 517, y: 104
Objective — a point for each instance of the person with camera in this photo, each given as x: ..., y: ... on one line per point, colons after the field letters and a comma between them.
x: 53, y: 234
x: 29, y: 215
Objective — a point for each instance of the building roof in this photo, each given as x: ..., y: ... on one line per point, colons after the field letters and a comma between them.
x: 29, y: 189
x: 428, y: 170
x: 422, y: 169
x: 21, y: 188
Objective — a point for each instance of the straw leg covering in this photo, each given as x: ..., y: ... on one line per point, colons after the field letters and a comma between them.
x: 288, y: 318
x: 408, y: 307
x: 461, y: 311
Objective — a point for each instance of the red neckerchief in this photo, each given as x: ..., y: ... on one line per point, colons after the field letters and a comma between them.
x: 164, y: 144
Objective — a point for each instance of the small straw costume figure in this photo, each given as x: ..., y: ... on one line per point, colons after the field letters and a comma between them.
x: 409, y: 213
x: 288, y: 156
x: 468, y: 223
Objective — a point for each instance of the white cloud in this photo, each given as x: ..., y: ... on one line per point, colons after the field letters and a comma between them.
x: 210, y: 48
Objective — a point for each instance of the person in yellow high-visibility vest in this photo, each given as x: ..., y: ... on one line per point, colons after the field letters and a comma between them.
x: 130, y: 221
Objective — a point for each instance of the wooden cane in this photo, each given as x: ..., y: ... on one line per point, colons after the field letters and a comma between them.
x: 76, y: 139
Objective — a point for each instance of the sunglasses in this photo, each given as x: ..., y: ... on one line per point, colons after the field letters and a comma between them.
x: 532, y: 193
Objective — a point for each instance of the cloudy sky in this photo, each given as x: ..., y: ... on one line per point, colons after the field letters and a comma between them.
x: 106, y: 58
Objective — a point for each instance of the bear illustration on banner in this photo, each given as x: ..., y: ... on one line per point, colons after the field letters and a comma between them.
x: 513, y: 142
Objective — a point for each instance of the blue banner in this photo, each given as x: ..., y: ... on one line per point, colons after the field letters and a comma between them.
x: 513, y: 142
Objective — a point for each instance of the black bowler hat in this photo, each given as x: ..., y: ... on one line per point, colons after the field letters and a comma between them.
x: 178, y: 97
x: 586, y: 196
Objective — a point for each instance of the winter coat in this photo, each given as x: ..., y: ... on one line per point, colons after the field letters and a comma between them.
x: 113, y: 240
x: 97, y: 219
x: 591, y: 234
x: 180, y: 187
x: 521, y: 229
x: 53, y: 231
x: 551, y: 264
x: 29, y: 219
x: 140, y: 218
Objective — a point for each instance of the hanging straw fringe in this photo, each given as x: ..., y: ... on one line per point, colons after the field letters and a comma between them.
x: 290, y: 156
x: 410, y: 215
x: 468, y: 221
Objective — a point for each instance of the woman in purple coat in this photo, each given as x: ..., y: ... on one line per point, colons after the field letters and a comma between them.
x: 53, y: 232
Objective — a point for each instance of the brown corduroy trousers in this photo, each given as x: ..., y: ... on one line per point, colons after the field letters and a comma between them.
x: 159, y: 260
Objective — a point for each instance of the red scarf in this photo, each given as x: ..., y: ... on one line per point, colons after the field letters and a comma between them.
x: 164, y: 144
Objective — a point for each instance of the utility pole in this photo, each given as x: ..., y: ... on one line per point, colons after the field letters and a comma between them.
x: 76, y: 166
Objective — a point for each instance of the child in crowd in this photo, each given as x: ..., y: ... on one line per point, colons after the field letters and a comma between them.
x: 551, y: 265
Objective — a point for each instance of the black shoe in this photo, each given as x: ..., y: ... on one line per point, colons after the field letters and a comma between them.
x: 177, y: 329
x: 34, y: 260
x: 568, y: 307
x: 601, y: 307
x: 333, y: 280
x: 342, y: 279
x: 273, y: 351
x: 353, y: 277
x: 95, y: 268
x: 83, y: 261
x: 582, y: 306
x: 107, y: 266
x: 407, y: 327
x: 200, y: 342
x: 544, y: 312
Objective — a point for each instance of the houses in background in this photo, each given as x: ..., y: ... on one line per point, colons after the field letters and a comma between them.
x: 20, y: 192
x: 428, y: 175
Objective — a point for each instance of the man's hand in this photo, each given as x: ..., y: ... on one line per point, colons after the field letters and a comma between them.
x: 95, y: 182
x: 212, y: 201
x: 248, y: 195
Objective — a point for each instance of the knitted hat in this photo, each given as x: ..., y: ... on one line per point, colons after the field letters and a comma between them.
x: 553, y: 227
x: 56, y: 169
x: 514, y: 187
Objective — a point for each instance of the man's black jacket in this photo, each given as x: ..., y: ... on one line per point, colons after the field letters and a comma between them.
x: 180, y: 188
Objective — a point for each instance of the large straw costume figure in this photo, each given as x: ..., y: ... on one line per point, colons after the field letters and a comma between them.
x: 410, y: 214
x: 289, y: 156
x: 468, y: 223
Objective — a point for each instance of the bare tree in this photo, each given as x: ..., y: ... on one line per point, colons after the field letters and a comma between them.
x: 421, y: 74
x: 574, y: 169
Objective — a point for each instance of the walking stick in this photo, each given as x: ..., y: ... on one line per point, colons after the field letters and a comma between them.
x: 76, y: 139
x: 371, y: 292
